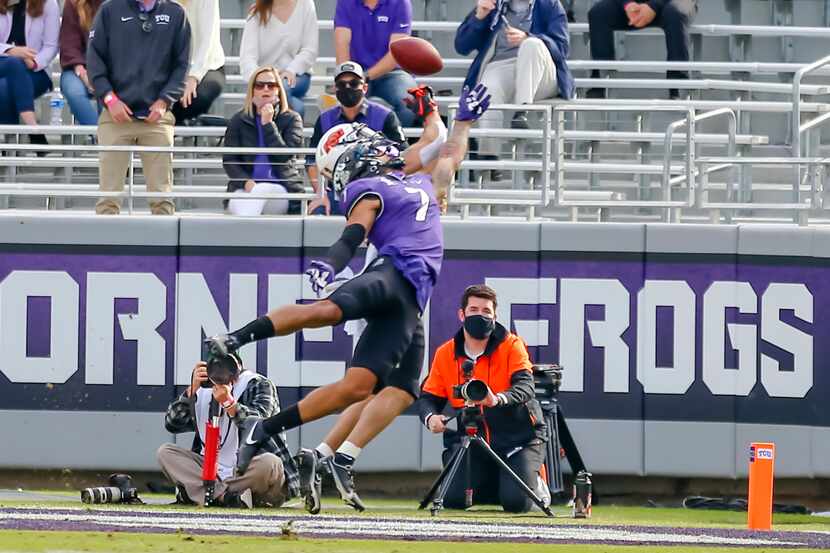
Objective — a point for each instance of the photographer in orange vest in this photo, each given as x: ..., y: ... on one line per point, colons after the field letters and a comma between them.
x: 511, y: 420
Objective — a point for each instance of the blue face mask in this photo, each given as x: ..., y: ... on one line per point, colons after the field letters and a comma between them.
x: 479, y: 326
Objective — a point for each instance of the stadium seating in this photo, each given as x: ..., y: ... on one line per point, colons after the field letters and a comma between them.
x: 606, y: 157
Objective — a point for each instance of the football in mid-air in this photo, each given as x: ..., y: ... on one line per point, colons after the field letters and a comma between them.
x: 417, y: 56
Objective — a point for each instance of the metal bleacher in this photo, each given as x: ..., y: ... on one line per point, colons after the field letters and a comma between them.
x: 745, y: 145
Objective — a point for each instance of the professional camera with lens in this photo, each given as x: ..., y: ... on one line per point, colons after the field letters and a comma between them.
x: 120, y: 490
x: 472, y: 389
x: 221, y: 369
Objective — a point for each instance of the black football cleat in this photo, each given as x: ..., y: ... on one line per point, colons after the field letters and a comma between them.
x: 253, y: 437
x: 222, y: 344
x: 311, y: 481
x: 343, y: 476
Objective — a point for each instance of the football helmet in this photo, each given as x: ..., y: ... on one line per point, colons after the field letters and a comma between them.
x: 352, y: 151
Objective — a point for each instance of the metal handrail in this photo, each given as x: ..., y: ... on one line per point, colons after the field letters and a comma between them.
x: 690, y: 123
x: 796, y: 112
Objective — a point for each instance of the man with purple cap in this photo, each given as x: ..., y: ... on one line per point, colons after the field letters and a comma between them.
x: 353, y: 107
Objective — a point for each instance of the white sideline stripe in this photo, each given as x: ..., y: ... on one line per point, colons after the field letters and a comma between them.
x: 322, y: 526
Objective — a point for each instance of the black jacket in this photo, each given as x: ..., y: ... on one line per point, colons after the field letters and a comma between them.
x: 518, y: 423
x: 140, y: 67
x: 286, y: 131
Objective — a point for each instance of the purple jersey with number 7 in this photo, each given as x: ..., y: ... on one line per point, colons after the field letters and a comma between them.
x: 407, y: 228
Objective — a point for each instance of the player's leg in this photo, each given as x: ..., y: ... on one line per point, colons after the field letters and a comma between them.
x: 343, y: 426
x: 400, y: 391
x: 382, y: 345
x: 309, y: 461
x: 356, y: 299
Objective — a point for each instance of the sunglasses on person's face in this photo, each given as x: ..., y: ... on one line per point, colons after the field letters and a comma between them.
x: 348, y: 83
x: 262, y: 85
x: 146, y: 26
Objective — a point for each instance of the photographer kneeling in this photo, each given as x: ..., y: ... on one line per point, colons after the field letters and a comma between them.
x: 512, y: 420
x: 272, y: 477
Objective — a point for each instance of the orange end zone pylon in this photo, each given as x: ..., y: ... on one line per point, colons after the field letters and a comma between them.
x: 761, y: 477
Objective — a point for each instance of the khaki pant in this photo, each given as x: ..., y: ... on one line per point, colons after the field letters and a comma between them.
x: 529, y: 77
x: 158, y: 167
x: 265, y: 476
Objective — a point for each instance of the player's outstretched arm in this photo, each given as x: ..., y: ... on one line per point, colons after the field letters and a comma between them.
x: 422, y: 155
x: 471, y: 106
x: 362, y: 216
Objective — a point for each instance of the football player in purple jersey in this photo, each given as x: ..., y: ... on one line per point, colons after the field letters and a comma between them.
x: 389, y: 198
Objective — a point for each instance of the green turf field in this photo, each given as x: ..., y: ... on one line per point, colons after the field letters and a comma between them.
x: 18, y: 541
x: 71, y: 542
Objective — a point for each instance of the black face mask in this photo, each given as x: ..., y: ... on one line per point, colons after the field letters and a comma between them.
x: 479, y: 326
x: 349, y: 97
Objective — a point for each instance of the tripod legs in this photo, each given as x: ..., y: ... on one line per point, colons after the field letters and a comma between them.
x: 515, y: 477
x: 439, y: 488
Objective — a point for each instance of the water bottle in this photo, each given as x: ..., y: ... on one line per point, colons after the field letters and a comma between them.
x: 582, y: 495
x: 56, y: 103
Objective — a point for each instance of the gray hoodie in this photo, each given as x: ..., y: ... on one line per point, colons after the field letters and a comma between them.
x: 140, y: 66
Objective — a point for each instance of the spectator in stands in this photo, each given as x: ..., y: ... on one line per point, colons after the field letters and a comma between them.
x: 350, y: 86
x: 522, y: 49
x: 569, y: 9
x: 272, y: 477
x: 512, y: 417
x: 28, y: 44
x: 363, y: 30
x: 75, y: 84
x: 283, y: 34
x: 137, y: 60
x: 265, y: 121
x: 206, y: 74
x: 673, y: 16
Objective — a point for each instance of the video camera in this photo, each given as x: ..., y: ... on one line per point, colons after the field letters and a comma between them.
x: 472, y: 389
x: 120, y: 490
x: 547, y: 380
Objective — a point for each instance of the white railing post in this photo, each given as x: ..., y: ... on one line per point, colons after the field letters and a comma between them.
x: 546, y: 129
x: 130, y: 182
x: 559, y: 153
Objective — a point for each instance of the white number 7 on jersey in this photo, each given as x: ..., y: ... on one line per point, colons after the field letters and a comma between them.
x: 421, y: 214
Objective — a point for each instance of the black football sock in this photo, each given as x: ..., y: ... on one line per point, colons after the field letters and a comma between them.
x: 282, y: 421
x: 258, y: 329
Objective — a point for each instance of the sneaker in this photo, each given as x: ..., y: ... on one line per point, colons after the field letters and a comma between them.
x: 238, y: 500
x: 343, y: 476
x: 253, y: 437
x: 311, y: 481
x: 595, y: 94
x: 222, y: 344
x: 520, y: 121
x: 182, y: 498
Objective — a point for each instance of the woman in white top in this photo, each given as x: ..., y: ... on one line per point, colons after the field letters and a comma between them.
x: 282, y: 33
x: 206, y: 74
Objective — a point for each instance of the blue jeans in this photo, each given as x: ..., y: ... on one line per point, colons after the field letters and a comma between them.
x: 80, y: 99
x: 19, y: 86
x: 298, y: 92
x: 392, y: 89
